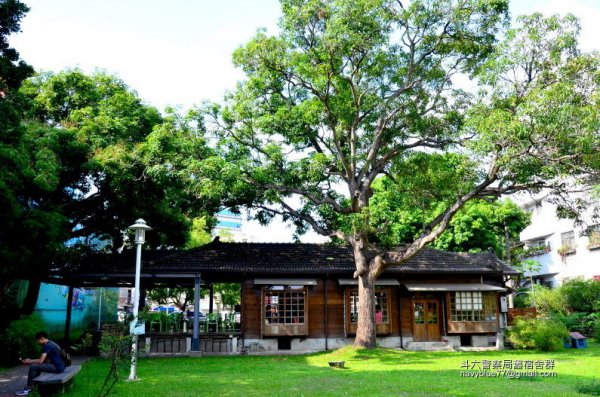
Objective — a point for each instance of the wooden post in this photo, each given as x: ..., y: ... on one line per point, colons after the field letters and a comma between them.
x: 196, y: 327
x: 326, y: 315
x: 69, y: 311
x: 211, y: 298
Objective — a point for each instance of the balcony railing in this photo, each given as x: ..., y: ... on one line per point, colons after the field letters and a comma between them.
x: 535, y: 251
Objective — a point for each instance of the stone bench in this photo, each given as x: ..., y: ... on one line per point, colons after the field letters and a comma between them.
x: 60, y: 380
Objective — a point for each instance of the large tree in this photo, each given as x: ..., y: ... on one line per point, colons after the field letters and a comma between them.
x: 91, y: 158
x: 351, y: 90
x: 132, y: 159
x: 18, y: 227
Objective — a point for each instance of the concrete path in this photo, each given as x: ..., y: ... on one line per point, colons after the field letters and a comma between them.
x: 15, y: 379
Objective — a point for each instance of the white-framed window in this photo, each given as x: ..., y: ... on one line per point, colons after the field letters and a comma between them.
x: 382, y: 311
x: 473, y: 306
x: 535, y: 247
x: 567, y: 242
x: 533, y: 207
x: 537, y: 243
x: 285, y: 304
x: 594, y: 236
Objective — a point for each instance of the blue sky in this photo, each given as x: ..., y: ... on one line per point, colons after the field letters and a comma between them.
x: 178, y: 52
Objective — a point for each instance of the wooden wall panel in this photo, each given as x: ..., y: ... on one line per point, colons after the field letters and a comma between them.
x: 406, y: 316
x: 251, y: 313
x: 316, y: 310
x: 464, y: 327
x: 395, y: 310
x: 335, y: 309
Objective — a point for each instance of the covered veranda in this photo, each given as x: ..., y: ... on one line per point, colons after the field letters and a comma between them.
x: 307, y: 284
x: 164, y: 334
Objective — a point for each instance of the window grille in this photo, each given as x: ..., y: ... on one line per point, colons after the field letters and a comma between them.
x: 381, y: 306
x: 285, y: 304
x: 473, y: 306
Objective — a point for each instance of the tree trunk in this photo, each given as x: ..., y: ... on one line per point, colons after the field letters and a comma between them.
x: 31, y: 298
x: 365, y: 331
x: 6, y: 284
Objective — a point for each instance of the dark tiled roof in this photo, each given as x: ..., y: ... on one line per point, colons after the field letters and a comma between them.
x: 431, y: 260
x: 283, y: 258
x: 261, y: 257
x: 313, y: 258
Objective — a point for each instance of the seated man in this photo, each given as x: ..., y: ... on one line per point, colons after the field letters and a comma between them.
x: 49, y: 361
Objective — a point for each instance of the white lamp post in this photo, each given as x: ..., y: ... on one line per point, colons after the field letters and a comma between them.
x: 140, y: 228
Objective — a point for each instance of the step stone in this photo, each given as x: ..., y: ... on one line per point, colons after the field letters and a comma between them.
x: 428, y: 346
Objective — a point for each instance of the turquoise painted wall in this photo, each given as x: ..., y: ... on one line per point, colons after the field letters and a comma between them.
x: 52, y: 307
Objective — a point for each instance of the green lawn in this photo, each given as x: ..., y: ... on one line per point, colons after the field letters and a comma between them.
x: 379, y: 372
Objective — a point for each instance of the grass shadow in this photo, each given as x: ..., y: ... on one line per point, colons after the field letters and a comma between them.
x: 380, y: 372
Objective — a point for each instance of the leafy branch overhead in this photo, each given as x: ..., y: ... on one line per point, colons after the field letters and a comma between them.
x: 90, y: 158
x: 351, y: 91
x: 125, y: 160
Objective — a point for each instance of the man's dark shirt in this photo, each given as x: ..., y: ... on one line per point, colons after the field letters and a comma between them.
x: 52, y: 351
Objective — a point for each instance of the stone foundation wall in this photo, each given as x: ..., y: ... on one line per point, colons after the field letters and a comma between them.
x: 311, y: 344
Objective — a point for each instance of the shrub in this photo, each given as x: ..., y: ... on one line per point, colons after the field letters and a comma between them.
x: 587, y: 324
x: 582, y: 295
x: 549, y: 300
x: 574, y: 321
x: 115, y: 345
x: 538, y: 333
x: 522, y: 299
x: 88, y: 343
x: 594, y: 325
x: 592, y: 388
x: 18, y: 340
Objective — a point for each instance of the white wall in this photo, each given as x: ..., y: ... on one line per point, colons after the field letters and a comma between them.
x: 584, y: 262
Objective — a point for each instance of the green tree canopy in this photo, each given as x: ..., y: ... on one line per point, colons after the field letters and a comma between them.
x: 229, y: 294
x: 91, y: 158
x: 351, y: 90
x: 22, y: 232
x: 13, y: 70
x: 402, y: 207
x: 182, y: 297
x: 131, y: 158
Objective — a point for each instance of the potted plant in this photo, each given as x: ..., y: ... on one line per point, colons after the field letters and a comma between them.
x: 565, y: 250
x: 594, y: 242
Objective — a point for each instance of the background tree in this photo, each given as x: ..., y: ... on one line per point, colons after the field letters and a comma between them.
x: 181, y: 297
x: 229, y: 294
x: 87, y: 159
x: 528, y: 267
x: 132, y: 157
x: 23, y: 231
x: 199, y: 233
x: 353, y: 90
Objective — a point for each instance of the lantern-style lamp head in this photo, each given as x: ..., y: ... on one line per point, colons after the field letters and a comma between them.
x: 140, y: 228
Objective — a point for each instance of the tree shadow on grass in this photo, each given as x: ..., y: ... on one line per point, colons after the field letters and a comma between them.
x: 377, y: 372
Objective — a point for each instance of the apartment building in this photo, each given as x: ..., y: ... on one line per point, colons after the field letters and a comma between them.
x: 564, y: 251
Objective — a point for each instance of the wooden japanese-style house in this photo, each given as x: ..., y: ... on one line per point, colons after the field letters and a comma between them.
x: 303, y: 297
